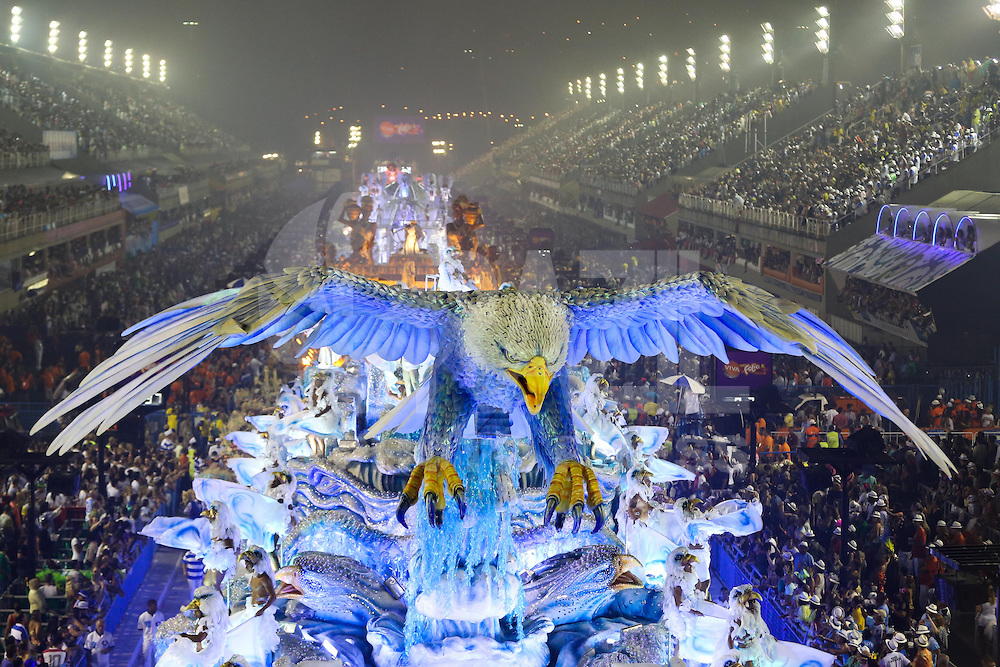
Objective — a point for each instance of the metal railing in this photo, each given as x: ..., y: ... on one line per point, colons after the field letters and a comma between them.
x: 14, y: 160
x: 762, y: 216
x: 15, y: 226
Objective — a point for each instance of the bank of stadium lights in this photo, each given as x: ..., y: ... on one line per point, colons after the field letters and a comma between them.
x: 692, y: 64
x: 163, y: 71
x: 81, y: 49
x: 639, y: 75
x: 823, y: 32
x: 724, y: 50
x: 53, y: 36
x: 992, y: 10
x: 602, y: 85
x: 664, y: 79
x: 317, y: 138
x: 354, y: 136
x: 896, y: 18
x: 579, y: 87
x: 15, y: 24
x: 439, y: 147
x: 768, y: 45
x: 586, y: 88
x: 621, y: 81
x: 128, y: 61
x: 108, y: 52
x: 145, y: 66
x: 571, y: 89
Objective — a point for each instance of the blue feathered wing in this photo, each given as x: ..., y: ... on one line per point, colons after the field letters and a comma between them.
x: 707, y: 312
x: 350, y: 314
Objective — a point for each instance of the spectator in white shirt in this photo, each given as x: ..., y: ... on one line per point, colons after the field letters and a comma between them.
x: 149, y: 621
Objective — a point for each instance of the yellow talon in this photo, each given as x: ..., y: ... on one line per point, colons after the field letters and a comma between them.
x: 573, y: 483
x: 432, y: 474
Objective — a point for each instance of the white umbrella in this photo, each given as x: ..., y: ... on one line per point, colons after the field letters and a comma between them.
x: 684, y: 381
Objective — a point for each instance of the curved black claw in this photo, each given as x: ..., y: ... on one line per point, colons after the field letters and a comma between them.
x: 560, y: 520
x: 550, y: 507
x: 404, y: 504
x: 577, y: 513
x: 430, y: 499
x: 598, y: 518
x: 460, y: 501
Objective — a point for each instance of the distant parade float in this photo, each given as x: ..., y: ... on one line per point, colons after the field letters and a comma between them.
x: 381, y: 518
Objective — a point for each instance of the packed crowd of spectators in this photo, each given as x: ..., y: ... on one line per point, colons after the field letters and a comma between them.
x: 629, y: 150
x: 880, y: 140
x: 21, y: 200
x: 897, y: 308
x: 108, y: 118
x: 59, y: 338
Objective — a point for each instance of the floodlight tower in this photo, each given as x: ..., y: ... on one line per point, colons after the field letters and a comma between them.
x: 163, y: 71
x: 586, y: 89
x: 15, y: 24
x: 81, y: 49
x: 768, y: 46
x: 128, y: 61
x: 603, y: 86
x: 108, y: 53
x: 53, y: 37
x: 823, y: 41
x: 692, y: 70
x: 145, y: 66
x: 897, y: 28
x: 725, y: 63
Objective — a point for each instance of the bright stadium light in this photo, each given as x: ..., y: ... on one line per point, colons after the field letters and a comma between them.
x: 586, y: 88
x: 823, y: 34
x: 128, y: 61
x: 571, y: 89
x: 163, y: 71
x: 768, y: 45
x: 992, y: 10
x: 602, y: 84
x: 896, y: 18
x: 15, y: 24
x: 692, y: 65
x: 354, y: 137
x: 53, y: 36
x: 724, y: 49
x: 145, y: 66
x: 81, y: 49
x: 317, y: 138
x: 639, y: 75
x: 108, y: 52
x: 621, y: 81
x: 664, y: 79
x: 579, y: 87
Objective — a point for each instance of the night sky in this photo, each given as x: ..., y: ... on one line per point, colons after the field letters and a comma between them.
x: 258, y: 68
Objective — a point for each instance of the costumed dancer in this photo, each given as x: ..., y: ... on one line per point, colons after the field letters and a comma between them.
x: 255, y: 631
x: 687, y: 512
x: 748, y: 641
x: 680, y: 597
x: 206, y: 645
x: 221, y: 558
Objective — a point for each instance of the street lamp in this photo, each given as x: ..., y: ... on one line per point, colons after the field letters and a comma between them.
x: 621, y: 81
x: 586, y: 88
x: 724, y: 50
x: 81, y: 49
x: 603, y: 85
x: 163, y: 71
x: 15, y: 24
x: 53, y: 36
x: 108, y: 52
x: 664, y: 79
x: 145, y: 66
x: 128, y: 61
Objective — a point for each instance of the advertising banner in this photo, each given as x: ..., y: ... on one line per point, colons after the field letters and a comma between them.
x: 61, y: 143
x: 399, y: 129
x: 745, y: 369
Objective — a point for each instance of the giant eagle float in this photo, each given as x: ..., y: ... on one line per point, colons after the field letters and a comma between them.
x: 509, y: 349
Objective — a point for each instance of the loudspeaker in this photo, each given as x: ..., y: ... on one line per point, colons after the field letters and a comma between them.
x: 66, y: 484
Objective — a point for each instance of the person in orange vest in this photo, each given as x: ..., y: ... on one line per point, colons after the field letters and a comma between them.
x: 935, y: 414
x: 784, y: 449
x: 810, y: 436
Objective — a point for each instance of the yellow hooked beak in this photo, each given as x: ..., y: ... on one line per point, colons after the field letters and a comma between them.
x: 689, y: 558
x: 533, y: 379
x: 194, y: 604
